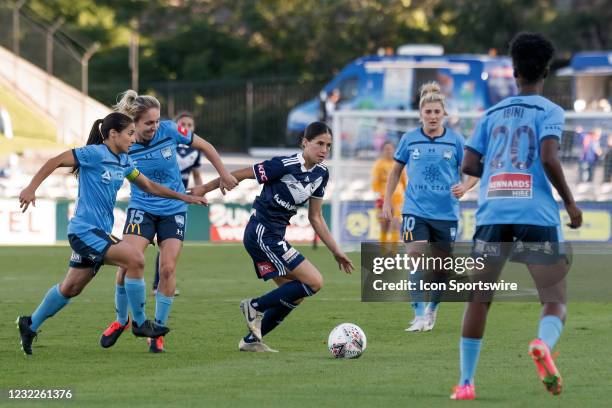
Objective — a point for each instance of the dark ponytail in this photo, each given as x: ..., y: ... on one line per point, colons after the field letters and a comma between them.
x: 101, y: 129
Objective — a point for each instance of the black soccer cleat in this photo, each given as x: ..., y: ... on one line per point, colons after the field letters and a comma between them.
x: 149, y: 329
x: 27, y: 335
x: 112, y: 333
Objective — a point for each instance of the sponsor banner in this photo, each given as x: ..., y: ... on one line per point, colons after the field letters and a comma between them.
x: 228, y: 221
x: 510, y: 185
x: 34, y: 227
x: 360, y: 223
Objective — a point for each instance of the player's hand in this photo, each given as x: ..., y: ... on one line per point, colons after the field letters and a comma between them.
x: 387, y: 211
x: 198, y: 190
x: 26, y: 197
x: 195, y: 199
x: 227, y: 182
x: 459, y: 190
x: 344, y: 263
x: 575, y: 215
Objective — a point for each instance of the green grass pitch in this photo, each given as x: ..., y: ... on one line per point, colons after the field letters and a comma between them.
x: 203, y: 367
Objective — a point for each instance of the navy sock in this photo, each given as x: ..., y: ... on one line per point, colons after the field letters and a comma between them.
x: 275, y: 316
x: 285, y: 294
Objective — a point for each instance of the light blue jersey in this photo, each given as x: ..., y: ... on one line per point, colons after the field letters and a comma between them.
x: 157, y: 160
x: 514, y: 188
x: 432, y: 165
x: 101, y: 174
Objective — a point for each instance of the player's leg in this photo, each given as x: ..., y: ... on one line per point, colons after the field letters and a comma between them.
x: 548, y: 270
x: 271, y: 319
x: 132, y: 260
x: 476, y: 312
x: 122, y: 305
x: 156, y: 279
x: 442, y: 237
x: 415, y: 234
x: 89, y: 249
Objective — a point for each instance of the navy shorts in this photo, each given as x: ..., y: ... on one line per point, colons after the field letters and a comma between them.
x: 415, y: 228
x: 526, y: 243
x: 144, y: 224
x: 272, y: 255
x: 89, y: 248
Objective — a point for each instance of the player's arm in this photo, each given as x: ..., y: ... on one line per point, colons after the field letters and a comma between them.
x: 460, y: 189
x: 472, y: 163
x: 315, y: 216
x: 197, y: 177
x: 28, y: 194
x: 157, y: 189
x: 239, y: 175
x: 392, y: 180
x: 549, y: 148
x: 227, y: 180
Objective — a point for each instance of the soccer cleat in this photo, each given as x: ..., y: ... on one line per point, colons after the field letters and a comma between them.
x: 112, y: 333
x: 27, y: 335
x: 156, y: 345
x: 256, y: 347
x: 463, y: 392
x: 149, y: 329
x: 253, y: 318
x: 419, y: 324
x: 550, y: 376
x: 430, y: 318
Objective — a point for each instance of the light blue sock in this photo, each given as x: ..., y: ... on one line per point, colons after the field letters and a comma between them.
x: 469, y: 351
x: 417, y: 295
x: 136, y: 293
x: 419, y: 308
x: 550, y: 330
x: 162, y: 308
x: 121, y: 304
x: 52, y: 303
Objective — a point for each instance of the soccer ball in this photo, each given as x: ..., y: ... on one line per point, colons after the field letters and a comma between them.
x: 346, y: 340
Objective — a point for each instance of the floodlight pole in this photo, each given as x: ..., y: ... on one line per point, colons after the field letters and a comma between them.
x: 50, y: 31
x: 16, y: 29
x: 85, y: 66
x: 134, y: 46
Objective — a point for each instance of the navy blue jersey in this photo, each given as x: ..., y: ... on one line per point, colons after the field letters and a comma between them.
x: 188, y: 159
x: 287, y: 186
x: 101, y: 174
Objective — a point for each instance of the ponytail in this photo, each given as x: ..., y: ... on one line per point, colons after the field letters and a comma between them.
x: 101, y: 128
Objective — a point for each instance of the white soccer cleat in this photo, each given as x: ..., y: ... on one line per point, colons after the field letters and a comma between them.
x: 253, y: 318
x: 419, y: 324
x: 430, y: 317
x: 255, y: 347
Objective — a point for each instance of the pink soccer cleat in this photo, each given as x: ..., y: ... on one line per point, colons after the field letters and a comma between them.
x: 463, y: 392
x: 538, y: 350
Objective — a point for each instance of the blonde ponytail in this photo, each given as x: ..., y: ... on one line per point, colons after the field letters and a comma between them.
x: 134, y: 105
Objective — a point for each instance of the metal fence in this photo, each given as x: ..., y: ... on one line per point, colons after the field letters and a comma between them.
x: 233, y: 115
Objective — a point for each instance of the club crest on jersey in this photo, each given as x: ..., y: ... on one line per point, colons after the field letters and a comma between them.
x: 416, y: 154
x: 180, y: 220
x: 106, y: 177
x: 166, y: 153
x: 183, y: 131
x: 448, y: 154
